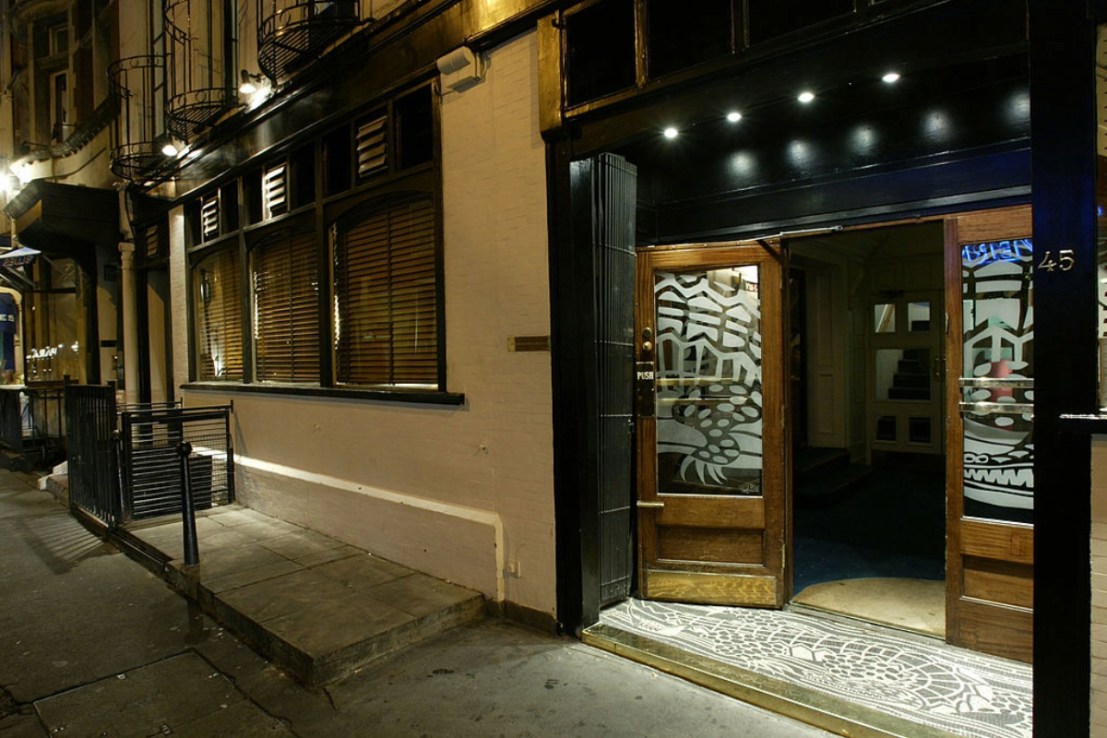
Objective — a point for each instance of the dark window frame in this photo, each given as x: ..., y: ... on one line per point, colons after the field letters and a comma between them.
x: 323, y: 208
x: 389, y: 205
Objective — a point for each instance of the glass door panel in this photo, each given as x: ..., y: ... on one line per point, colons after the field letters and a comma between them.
x: 712, y: 492
x: 997, y: 382
x: 709, y: 397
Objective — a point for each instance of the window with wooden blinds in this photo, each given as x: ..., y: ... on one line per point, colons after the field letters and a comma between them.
x: 217, y: 316
x: 285, y: 281
x: 386, y: 298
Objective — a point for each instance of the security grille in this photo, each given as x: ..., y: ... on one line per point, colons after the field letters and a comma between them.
x: 151, y: 464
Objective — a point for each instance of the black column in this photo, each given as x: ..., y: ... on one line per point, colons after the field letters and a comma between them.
x: 1063, y: 139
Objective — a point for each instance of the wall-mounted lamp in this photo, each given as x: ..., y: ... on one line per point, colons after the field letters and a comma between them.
x: 170, y: 146
x: 249, y: 83
x: 460, y: 69
x: 21, y: 168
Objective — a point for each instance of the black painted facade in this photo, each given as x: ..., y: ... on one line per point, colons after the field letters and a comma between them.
x: 956, y: 133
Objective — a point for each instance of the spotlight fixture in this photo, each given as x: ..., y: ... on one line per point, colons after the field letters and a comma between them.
x: 734, y: 116
x: 248, y: 83
x: 891, y: 77
x: 806, y: 96
x: 170, y: 146
x: 671, y: 132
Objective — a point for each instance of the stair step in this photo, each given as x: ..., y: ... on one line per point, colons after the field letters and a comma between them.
x: 909, y: 393
x: 314, y: 606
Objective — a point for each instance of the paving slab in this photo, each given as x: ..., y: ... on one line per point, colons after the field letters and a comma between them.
x: 85, y: 614
x: 311, y: 603
x: 181, y: 695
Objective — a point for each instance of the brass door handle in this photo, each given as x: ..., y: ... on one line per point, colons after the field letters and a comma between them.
x: 651, y: 504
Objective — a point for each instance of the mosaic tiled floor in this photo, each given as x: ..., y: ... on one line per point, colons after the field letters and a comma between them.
x: 948, y: 689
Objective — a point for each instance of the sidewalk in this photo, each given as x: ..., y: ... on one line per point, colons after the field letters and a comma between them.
x: 93, y: 644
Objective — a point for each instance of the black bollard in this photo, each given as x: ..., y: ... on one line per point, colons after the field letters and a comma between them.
x: 188, y: 510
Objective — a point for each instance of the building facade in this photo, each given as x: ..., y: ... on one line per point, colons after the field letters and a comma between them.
x: 552, y: 299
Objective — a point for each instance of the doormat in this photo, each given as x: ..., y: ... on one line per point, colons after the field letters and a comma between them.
x: 911, y: 679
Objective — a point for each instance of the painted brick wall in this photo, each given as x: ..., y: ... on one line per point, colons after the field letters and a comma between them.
x: 1099, y: 587
x: 461, y: 493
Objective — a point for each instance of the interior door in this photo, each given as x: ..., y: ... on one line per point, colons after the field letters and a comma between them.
x: 990, y: 475
x: 711, y: 438
x: 905, y: 379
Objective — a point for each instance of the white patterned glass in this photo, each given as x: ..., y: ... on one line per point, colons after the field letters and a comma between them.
x: 709, y: 396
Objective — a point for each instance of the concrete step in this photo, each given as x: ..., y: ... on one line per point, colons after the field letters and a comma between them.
x: 309, y: 603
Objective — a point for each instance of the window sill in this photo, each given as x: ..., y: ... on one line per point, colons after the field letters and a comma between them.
x: 421, y: 397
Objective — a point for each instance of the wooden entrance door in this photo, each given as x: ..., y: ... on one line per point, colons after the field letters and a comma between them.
x: 990, y: 390
x: 711, y: 440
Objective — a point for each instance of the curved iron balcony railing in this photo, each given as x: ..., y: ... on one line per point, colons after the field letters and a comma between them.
x: 190, y: 112
x: 292, y: 33
x: 200, y: 79
x: 136, y: 82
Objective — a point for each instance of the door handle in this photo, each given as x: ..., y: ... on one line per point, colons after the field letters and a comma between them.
x: 997, y: 382
x: 651, y: 504
x: 1001, y: 408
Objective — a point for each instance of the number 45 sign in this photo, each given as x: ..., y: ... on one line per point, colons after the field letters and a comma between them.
x: 1065, y: 261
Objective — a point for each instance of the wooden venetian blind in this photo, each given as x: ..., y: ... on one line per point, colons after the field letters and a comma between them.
x: 285, y: 283
x: 217, y: 316
x: 386, y: 327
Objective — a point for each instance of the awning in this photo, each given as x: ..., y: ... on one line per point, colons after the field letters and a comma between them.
x: 18, y: 257
x: 65, y: 220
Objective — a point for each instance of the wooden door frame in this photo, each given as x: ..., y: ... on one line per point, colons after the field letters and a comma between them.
x: 768, y: 584
x: 995, y: 624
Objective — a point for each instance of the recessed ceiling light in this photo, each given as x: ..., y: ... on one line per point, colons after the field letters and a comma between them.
x: 806, y: 96
x: 891, y: 77
x: 671, y: 133
x: 734, y: 116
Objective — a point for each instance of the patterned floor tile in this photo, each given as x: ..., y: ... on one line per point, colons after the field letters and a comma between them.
x: 959, y: 691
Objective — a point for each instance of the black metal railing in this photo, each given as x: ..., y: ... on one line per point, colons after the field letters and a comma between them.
x: 139, y: 84
x: 200, y: 78
x: 89, y: 432
x: 292, y: 33
x: 150, y: 468
x: 33, y: 418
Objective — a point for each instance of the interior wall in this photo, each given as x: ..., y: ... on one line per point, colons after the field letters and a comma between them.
x: 827, y: 351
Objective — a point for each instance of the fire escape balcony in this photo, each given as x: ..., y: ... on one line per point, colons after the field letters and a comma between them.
x: 200, y: 75
x: 137, y: 82
x: 292, y: 33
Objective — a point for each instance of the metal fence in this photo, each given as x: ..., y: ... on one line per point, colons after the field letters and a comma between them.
x: 90, y: 426
x: 32, y: 416
x: 150, y: 468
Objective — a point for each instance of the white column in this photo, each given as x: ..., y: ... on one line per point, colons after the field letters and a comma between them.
x: 130, y: 322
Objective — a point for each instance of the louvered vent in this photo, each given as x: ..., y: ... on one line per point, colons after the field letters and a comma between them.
x: 209, y: 217
x: 372, y: 146
x: 152, y: 243
x: 274, y: 191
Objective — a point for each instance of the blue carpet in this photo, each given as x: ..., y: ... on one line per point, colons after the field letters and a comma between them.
x: 890, y: 524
